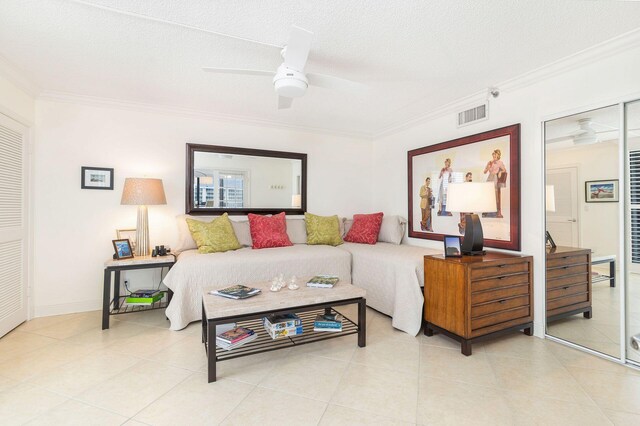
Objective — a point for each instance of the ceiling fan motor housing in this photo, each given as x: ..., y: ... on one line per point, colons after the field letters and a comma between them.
x: 289, y: 82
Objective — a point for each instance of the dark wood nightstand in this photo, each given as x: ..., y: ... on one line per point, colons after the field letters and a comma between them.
x: 473, y: 298
x: 568, y: 282
x: 115, y: 306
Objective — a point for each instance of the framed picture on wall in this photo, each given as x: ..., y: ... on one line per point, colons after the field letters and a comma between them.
x: 96, y: 178
x: 601, y: 191
x: 492, y: 156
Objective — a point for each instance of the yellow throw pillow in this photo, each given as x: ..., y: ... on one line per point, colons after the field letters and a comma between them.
x: 215, y: 236
x: 323, y: 230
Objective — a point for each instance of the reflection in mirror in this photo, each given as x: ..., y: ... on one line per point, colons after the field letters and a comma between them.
x: 582, y: 217
x: 240, y: 180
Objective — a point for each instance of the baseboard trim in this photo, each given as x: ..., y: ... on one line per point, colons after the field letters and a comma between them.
x: 67, y: 308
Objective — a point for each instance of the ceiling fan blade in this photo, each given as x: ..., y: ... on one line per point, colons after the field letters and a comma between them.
x: 331, y: 82
x: 284, y: 102
x: 238, y: 71
x: 297, y: 50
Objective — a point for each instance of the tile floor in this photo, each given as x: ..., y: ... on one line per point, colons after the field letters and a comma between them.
x: 65, y: 370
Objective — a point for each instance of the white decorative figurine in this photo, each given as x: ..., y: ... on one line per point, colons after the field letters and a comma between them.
x: 293, y: 285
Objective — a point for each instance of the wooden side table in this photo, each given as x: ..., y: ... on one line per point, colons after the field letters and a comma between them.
x: 568, y: 282
x: 114, y: 306
x: 473, y: 298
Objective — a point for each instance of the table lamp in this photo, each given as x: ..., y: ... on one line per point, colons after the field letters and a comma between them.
x: 550, y: 206
x: 143, y: 192
x: 296, y: 200
x: 476, y: 197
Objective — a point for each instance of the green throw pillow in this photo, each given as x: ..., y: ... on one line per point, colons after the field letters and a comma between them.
x: 323, y: 230
x: 215, y: 236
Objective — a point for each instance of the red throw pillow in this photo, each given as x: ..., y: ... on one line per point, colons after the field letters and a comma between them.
x: 365, y: 228
x: 268, y: 231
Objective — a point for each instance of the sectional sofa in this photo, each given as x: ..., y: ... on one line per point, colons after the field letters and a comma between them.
x: 390, y: 272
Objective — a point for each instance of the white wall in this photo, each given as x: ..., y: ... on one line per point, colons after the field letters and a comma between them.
x: 600, y: 81
x: 74, y: 227
x: 15, y: 102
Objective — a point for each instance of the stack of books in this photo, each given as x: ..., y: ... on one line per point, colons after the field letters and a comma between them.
x: 236, y: 292
x: 144, y: 297
x: 285, y: 325
x: 236, y: 337
x: 323, y: 281
x: 328, y: 322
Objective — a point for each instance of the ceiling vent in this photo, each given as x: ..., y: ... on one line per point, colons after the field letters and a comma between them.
x: 473, y: 115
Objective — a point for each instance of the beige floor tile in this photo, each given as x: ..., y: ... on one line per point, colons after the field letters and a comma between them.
x: 26, y: 402
x: 442, y: 341
x: 42, y: 322
x: 196, y: 402
x: 187, y: 353
x: 377, y: 390
x: 18, y: 343
x: 84, y: 373
x: 450, y: 364
x: 132, y: 422
x: 307, y: 376
x: 147, y: 343
x: 542, y: 378
x: 7, y: 383
x: 619, y: 418
x: 103, y: 338
x: 250, y: 369
x: 77, y: 324
x: 570, y: 357
x: 155, y: 318
x: 536, y: 411
x: 341, y: 348
x: 444, y: 402
x: 380, y: 327
x: 517, y: 345
x: 43, y: 360
x: 618, y: 392
x: 270, y: 407
x: 391, y: 353
x: 76, y: 413
x: 336, y: 415
x: 135, y: 388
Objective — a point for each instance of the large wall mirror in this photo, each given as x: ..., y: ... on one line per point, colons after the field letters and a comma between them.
x: 583, y: 212
x: 240, y: 181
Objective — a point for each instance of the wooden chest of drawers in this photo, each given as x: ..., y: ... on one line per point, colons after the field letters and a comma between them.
x: 568, y: 282
x: 471, y: 298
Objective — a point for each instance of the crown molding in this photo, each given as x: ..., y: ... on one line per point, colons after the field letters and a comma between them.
x: 579, y: 59
x: 131, y: 105
x: 17, y: 77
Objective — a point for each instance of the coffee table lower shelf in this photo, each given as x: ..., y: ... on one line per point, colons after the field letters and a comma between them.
x: 264, y: 342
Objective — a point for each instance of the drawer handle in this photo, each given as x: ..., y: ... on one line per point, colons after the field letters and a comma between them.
x: 566, y: 267
x: 501, y: 278
x: 565, y: 287
x: 502, y: 301
x: 502, y: 266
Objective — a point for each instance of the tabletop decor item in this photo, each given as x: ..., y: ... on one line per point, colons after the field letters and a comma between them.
x: 122, y: 249
x: 293, y: 283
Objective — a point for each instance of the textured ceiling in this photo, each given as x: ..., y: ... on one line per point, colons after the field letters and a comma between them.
x: 414, y: 56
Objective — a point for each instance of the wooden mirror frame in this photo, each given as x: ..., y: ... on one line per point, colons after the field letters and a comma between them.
x: 190, y: 205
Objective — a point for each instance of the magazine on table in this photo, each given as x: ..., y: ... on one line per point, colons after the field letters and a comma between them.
x: 236, y: 292
x: 237, y: 334
x: 228, y: 346
x: 323, y: 281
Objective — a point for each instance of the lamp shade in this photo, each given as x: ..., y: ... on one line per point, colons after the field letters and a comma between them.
x: 143, y: 192
x: 478, y: 197
x: 205, y: 180
x: 550, y: 198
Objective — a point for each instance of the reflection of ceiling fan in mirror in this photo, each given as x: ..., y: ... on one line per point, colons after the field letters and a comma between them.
x: 290, y: 80
x: 585, y: 135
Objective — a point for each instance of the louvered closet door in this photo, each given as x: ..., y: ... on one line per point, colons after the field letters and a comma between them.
x: 13, y: 225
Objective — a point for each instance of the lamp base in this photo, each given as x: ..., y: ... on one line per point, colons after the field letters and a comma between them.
x: 142, y: 232
x: 473, y: 242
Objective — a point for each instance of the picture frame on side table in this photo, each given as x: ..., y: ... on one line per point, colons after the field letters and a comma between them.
x: 129, y: 234
x: 122, y: 249
x: 492, y: 156
x: 452, y: 246
x: 96, y: 178
x: 601, y: 191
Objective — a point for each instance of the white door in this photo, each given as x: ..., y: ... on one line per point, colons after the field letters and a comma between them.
x: 13, y: 224
x: 562, y: 223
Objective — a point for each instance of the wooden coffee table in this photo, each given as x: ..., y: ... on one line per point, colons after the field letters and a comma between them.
x: 307, y: 302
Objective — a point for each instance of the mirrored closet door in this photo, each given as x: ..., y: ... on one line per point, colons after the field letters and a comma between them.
x: 632, y: 245
x: 583, y: 221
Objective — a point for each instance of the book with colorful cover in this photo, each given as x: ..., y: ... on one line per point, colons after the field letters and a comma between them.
x: 235, y: 335
x: 236, y: 292
x: 228, y: 346
x: 284, y: 332
x: 137, y: 298
x: 279, y: 321
x: 329, y: 329
x: 328, y: 321
x: 323, y: 281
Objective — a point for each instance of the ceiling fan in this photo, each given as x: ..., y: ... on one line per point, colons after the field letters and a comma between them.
x: 290, y: 80
x: 585, y: 135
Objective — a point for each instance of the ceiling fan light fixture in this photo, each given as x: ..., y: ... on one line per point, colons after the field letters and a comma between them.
x: 289, y: 82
